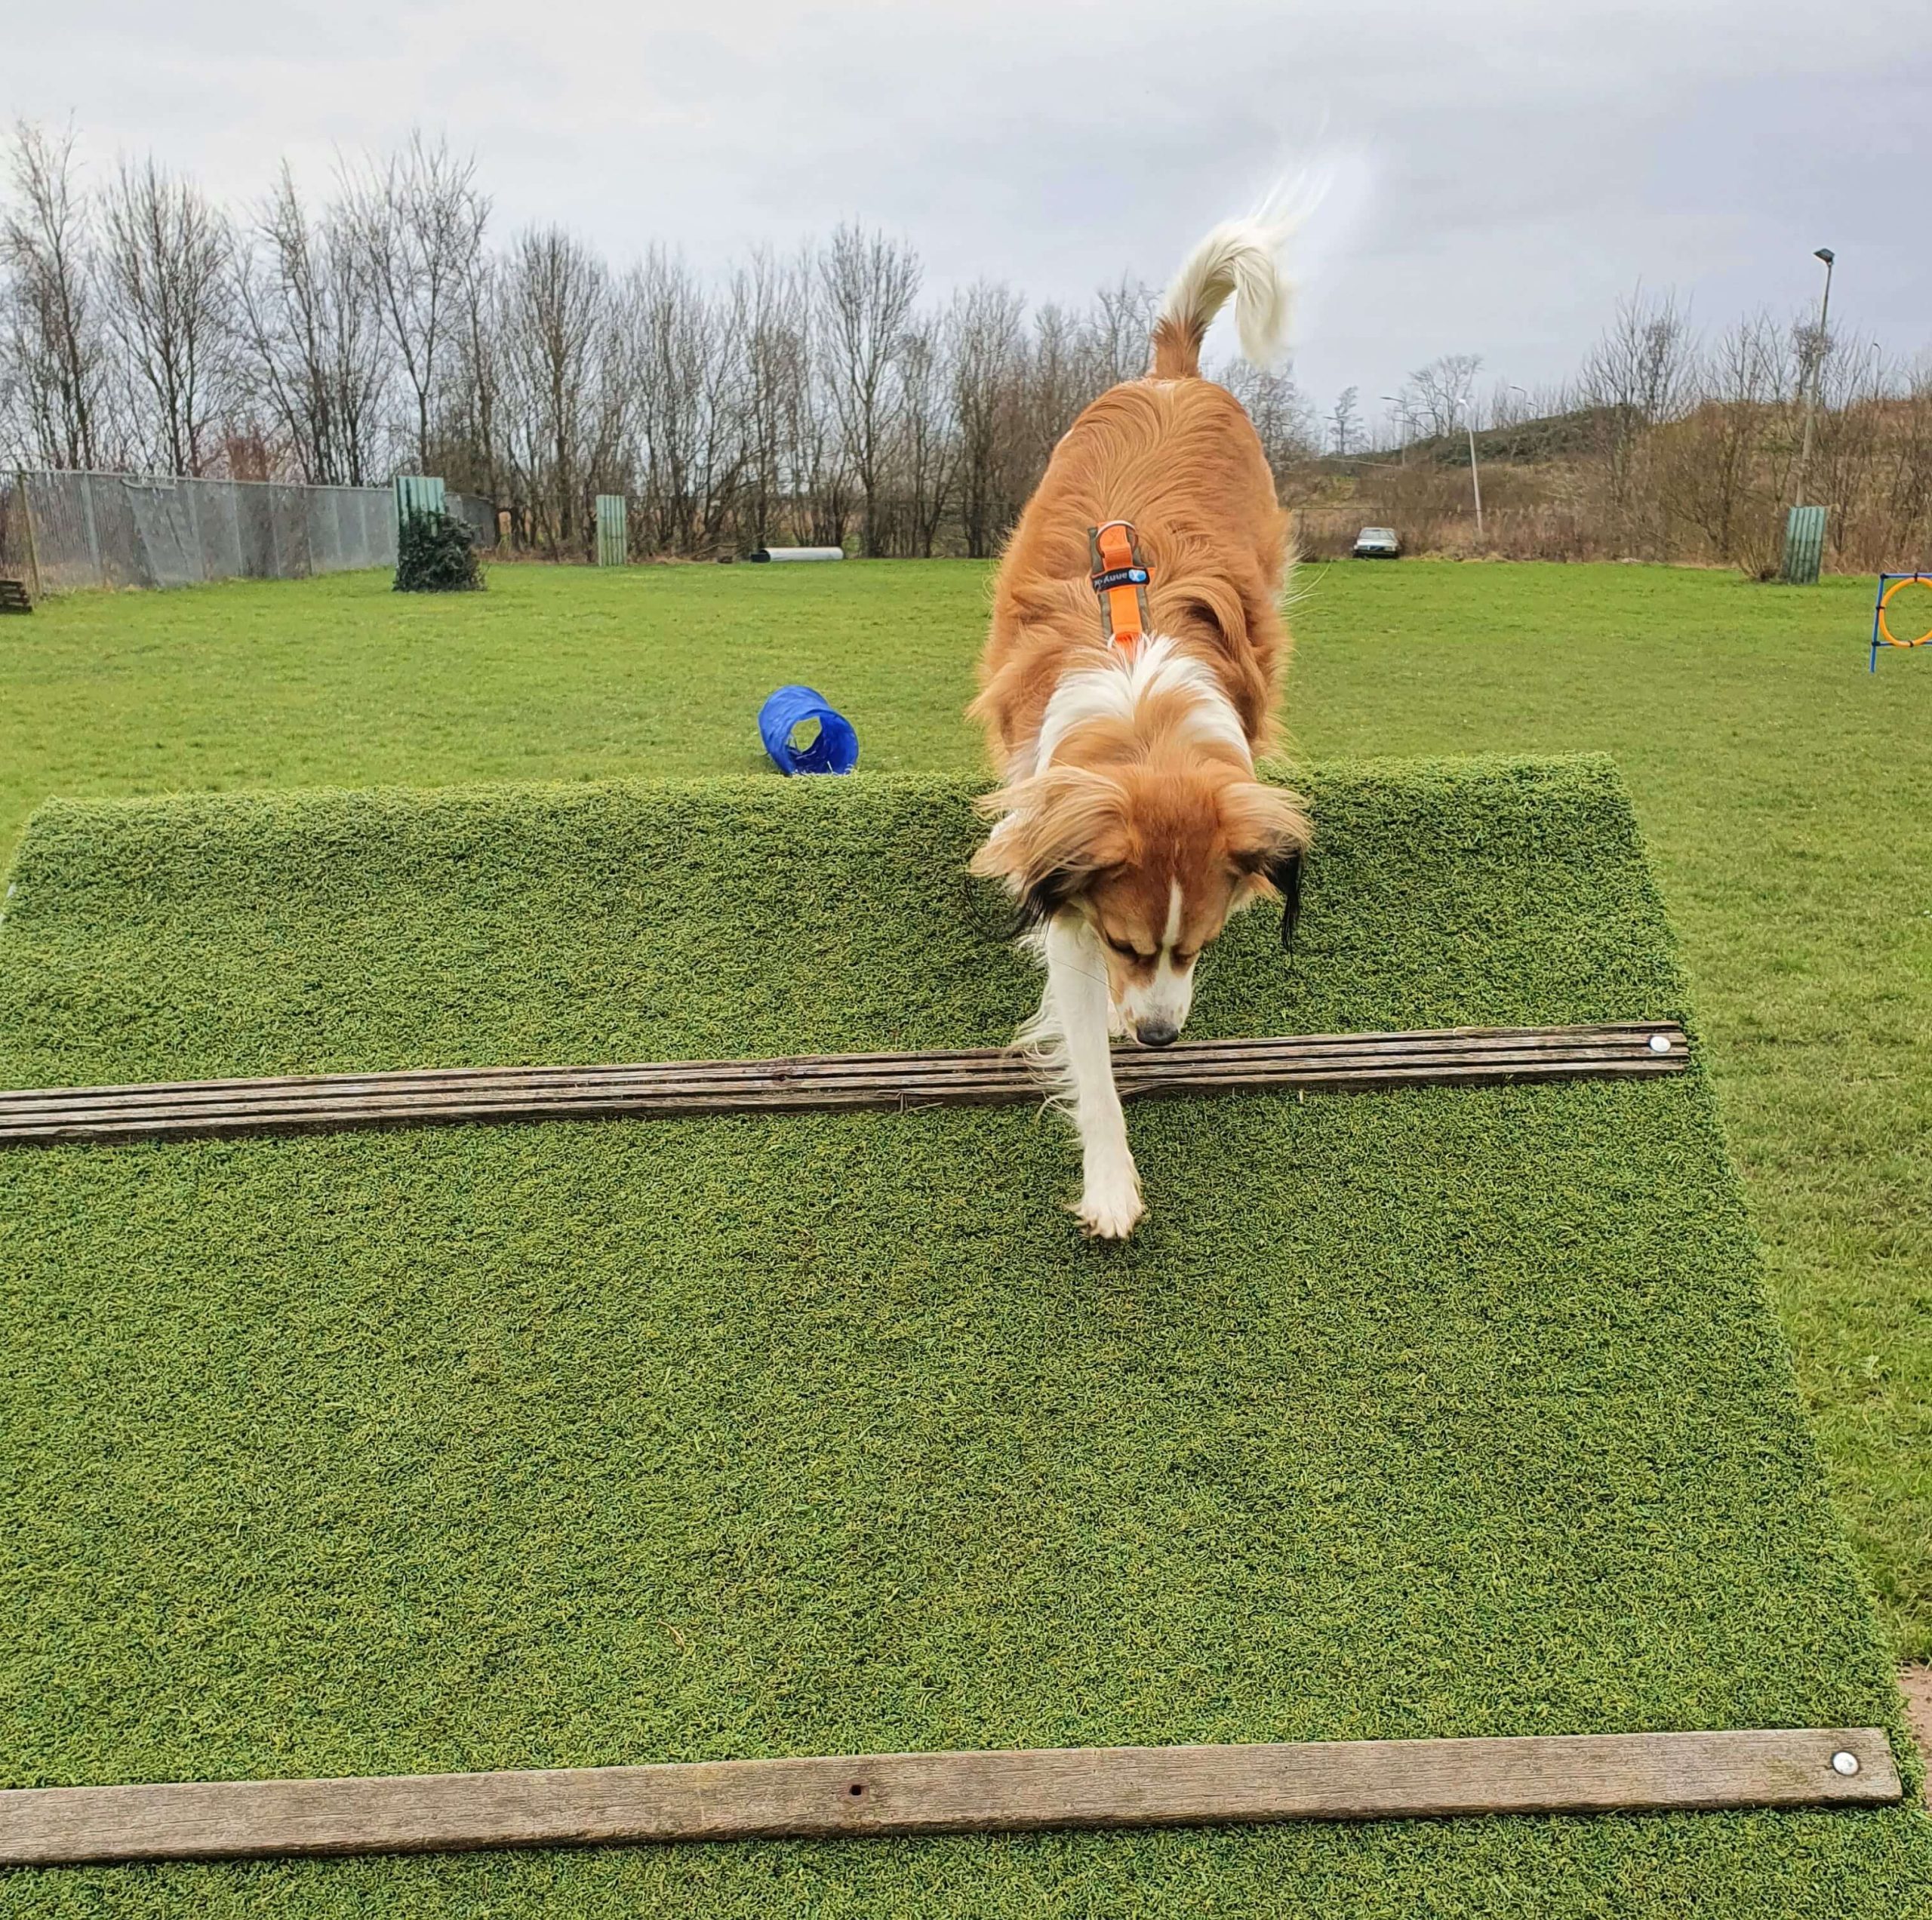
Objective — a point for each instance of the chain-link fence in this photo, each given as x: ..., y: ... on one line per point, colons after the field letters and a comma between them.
x: 479, y: 515
x: 59, y: 531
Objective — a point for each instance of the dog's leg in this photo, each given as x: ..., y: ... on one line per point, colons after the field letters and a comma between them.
x: 1077, y: 1009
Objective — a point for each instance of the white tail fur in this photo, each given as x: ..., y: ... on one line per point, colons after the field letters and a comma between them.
x: 1241, y: 258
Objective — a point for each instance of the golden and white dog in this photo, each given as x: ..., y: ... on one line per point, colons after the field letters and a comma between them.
x: 1131, y: 823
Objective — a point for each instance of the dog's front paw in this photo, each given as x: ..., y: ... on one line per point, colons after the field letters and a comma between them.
x: 1111, y: 1203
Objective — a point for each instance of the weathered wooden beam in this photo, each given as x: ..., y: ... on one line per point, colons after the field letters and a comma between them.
x: 897, y: 1793
x: 1347, y: 1062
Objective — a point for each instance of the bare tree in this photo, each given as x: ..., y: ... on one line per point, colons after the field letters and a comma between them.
x: 928, y: 444
x: 868, y: 284
x: 1441, y: 391
x: 555, y: 317
x: 1343, y: 421
x: 52, y: 325
x: 1714, y: 475
x: 1642, y: 365
x: 772, y: 300
x: 316, y: 354
x: 419, y: 221
x: 168, y: 273
x: 985, y: 356
x: 1283, y: 422
x: 1903, y: 486
x: 1853, y: 385
x: 1056, y: 382
x: 688, y: 357
x: 470, y: 443
x: 1118, y: 340
x: 1637, y: 376
x: 819, y: 479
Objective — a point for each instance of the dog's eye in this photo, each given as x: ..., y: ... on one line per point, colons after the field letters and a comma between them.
x: 1127, y: 952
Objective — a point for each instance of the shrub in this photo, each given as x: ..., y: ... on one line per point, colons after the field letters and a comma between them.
x: 436, y: 553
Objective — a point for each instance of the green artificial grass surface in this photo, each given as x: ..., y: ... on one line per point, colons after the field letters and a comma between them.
x: 1437, y: 1412
x: 1777, y: 783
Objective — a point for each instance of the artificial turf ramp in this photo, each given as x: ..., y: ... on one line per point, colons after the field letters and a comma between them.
x: 1446, y: 1412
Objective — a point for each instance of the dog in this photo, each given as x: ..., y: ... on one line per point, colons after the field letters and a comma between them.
x: 1129, y: 681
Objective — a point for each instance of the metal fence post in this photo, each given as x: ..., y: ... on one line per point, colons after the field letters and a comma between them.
x: 191, y: 488
x: 93, y: 535
x: 26, y: 520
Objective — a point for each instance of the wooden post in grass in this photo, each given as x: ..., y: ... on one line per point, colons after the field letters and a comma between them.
x: 613, y: 531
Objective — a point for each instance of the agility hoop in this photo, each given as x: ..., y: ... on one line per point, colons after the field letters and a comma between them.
x: 1882, y: 634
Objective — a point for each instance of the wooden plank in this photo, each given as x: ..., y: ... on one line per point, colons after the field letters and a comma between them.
x: 1636, y: 1033
x: 1529, y: 1045
x: 1133, y: 1073
x: 900, y: 1793
x: 838, y: 1082
x: 660, y: 1098
x: 654, y: 1100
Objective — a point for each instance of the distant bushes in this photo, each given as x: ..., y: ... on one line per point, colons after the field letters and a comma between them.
x: 436, y: 553
x: 1667, y: 446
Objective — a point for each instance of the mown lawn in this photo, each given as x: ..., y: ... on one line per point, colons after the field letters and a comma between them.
x: 1781, y: 789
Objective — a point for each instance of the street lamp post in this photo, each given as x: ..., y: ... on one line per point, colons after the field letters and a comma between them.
x: 1401, y: 406
x: 1816, y: 371
x: 1475, y: 479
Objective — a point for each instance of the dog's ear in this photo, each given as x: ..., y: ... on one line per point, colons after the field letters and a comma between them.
x: 1268, y: 833
x: 1059, y: 829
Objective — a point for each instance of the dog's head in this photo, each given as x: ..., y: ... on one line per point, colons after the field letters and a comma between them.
x: 1153, y: 859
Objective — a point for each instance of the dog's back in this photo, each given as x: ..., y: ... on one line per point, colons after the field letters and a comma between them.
x: 1175, y: 454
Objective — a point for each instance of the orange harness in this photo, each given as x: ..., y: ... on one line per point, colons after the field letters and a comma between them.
x: 1121, y: 582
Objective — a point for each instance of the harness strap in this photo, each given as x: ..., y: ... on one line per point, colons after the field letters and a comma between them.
x: 1121, y: 582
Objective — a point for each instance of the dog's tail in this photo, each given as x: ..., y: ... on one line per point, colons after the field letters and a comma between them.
x: 1242, y: 258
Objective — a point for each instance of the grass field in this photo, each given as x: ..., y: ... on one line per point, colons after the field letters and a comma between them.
x: 1779, y: 787
x: 1441, y: 1412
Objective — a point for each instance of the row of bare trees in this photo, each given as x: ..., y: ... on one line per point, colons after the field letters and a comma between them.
x: 1702, y: 443
x: 816, y: 397
x: 821, y: 397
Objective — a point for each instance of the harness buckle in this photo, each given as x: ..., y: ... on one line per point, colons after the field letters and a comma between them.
x: 1120, y: 581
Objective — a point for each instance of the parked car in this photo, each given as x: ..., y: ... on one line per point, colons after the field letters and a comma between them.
x: 1376, y: 543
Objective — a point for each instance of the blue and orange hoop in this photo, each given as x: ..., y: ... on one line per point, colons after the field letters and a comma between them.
x: 1882, y: 634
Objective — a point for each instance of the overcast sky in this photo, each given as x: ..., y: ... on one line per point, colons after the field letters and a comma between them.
x: 1501, y: 169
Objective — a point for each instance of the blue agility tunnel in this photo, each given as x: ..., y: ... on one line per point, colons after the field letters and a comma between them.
x: 804, y: 734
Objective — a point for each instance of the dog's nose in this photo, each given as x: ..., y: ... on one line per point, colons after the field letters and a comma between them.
x: 1157, y: 1033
